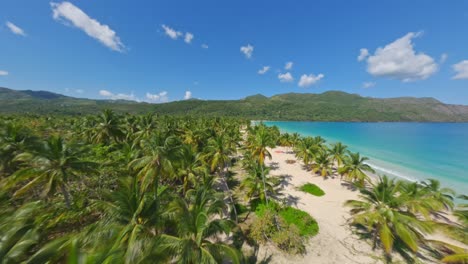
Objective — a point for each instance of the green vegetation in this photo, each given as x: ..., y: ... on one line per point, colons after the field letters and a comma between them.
x: 398, y: 215
x: 312, y: 189
x: 114, y: 188
x: 285, y: 226
x: 328, y: 106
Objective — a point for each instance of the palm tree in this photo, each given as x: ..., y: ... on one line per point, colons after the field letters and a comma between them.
x: 323, y: 164
x: 218, y: 156
x: 260, y: 142
x: 197, y: 229
x: 338, y: 153
x: 19, y: 234
x: 14, y: 139
x: 355, y: 169
x: 54, y: 165
x: 383, y: 214
x: 443, y: 196
x: 156, y: 164
x: 252, y: 185
x: 107, y: 128
x: 191, y: 169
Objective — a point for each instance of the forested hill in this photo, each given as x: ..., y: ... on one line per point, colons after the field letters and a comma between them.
x: 328, y: 106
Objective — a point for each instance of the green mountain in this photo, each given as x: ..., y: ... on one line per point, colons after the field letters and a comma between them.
x: 328, y: 106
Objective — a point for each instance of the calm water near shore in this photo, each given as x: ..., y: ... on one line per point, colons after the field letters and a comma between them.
x: 414, y: 151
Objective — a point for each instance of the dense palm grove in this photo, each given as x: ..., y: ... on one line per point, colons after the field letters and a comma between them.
x: 143, y: 189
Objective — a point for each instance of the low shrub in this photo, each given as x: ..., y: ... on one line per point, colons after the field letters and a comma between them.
x: 312, y: 189
x: 286, y: 227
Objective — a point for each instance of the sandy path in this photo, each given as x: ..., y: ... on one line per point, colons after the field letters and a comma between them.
x: 334, y: 243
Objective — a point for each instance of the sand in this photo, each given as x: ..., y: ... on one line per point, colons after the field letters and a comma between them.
x: 335, y: 242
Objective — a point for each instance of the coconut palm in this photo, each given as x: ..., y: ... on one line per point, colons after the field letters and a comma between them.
x: 261, y: 141
x: 54, y: 165
x: 156, y: 163
x: 323, y: 164
x: 14, y: 139
x: 355, y: 169
x: 443, y: 196
x: 383, y: 215
x: 192, y: 168
x: 218, y: 153
x: 197, y: 227
x: 18, y: 233
x: 338, y: 153
x: 107, y: 128
x: 252, y: 185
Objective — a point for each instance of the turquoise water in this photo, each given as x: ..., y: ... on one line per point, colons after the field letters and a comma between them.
x: 414, y: 151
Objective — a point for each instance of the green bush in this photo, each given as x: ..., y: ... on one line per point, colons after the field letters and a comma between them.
x: 307, y: 226
x: 312, y: 189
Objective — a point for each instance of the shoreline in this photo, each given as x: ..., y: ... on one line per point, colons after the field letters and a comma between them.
x: 383, y: 166
x: 335, y: 242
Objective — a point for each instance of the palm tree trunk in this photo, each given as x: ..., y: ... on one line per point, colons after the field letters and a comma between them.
x: 66, y: 195
x: 264, y: 185
x: 229, y: 193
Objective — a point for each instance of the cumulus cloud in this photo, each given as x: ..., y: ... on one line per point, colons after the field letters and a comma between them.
x: 285, y: 77
x: 188, y: 37
x: 363, y: 54
x: 15, y: 29
x: 288, y: 65
x: 79, y: 91
x: 264, y: 70
x: 461, y: 70
x: 188, y: 95
x: 204, y: 46
x: 311, y: 79
x: 399, y: 60
x: 3, y: 73
x: 368, y: 84
x: 172, y: 33
x: 161, y: 97
x: 118, y: 96
x: 68, y: 13
x: 247, y: 50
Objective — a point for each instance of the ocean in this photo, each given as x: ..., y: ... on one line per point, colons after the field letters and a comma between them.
x: 412, y: 151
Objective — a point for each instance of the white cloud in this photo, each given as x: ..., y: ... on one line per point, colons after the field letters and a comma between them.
x: 172, y: 33
x: 285, y: 77
x: 157, y: 98
x: 288, y: 65
x: 368, y: 84
x: 188, y: 95
x: 264, y: 70
x: 67, y: 12
x: 204, y: 46
x: 3, y: 73
x: 15, y: 29
x: 461, y: 70
x: 188, y: 37
x: 363, y: 54
x: 79, y: 91
x: 399, y: 60
x: 119, y: 96
x: 443, y: 57
x: 247, y: 50
x: 311, y: 79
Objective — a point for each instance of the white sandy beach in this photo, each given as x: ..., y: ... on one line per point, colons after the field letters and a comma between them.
x: 334, y: 243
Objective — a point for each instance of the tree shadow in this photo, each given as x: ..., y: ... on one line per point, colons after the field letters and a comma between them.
x: 291, y: 200
x: 284, y: 180
x: 349, y: 185
x: 273, y: 165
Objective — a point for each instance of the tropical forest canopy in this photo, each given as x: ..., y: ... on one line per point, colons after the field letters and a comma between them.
x: 113, y: 188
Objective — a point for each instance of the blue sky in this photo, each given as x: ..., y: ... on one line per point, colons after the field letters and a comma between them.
x: 143, y: 50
